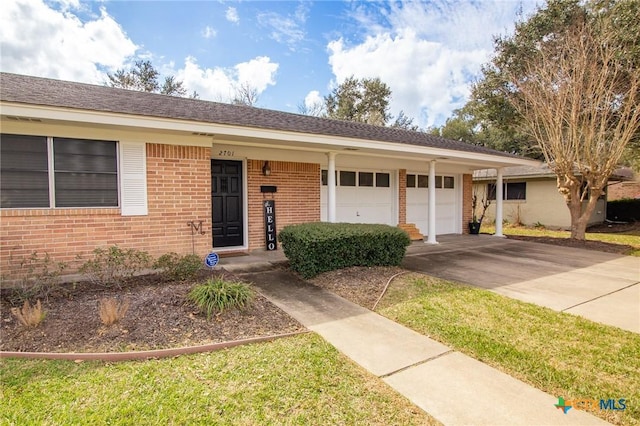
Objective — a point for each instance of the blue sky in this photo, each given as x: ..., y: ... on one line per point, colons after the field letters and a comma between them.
x: 291, y: 52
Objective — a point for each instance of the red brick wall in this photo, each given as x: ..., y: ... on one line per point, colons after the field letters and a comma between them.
x: 620, y: 190
x: 297, y: 198
x: 467, y: 194
x: 178, y: 190
x: 402, y: 196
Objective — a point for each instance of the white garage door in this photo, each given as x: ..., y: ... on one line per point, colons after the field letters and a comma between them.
x: 362, y: 196
x: 447, y: 209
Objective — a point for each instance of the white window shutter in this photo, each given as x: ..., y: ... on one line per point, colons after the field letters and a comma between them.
x: 133, y: 179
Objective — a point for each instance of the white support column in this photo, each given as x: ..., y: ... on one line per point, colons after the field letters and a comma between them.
x: 331, y: 187
x: 431, y: 226
x: 499, y: 203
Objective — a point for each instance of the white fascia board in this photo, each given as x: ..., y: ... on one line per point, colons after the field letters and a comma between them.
x: 476, y: 160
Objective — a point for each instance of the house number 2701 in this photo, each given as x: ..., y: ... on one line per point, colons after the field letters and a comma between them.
x: 226, y: 153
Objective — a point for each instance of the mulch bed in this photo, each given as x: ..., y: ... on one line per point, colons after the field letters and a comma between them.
x: 585, y: 244
x: 632, y: 228
x: 360, y: 285
x: 159, y: 317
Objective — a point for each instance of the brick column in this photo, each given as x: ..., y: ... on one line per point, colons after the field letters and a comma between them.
x: 402, y: 196
x: 467, y: 194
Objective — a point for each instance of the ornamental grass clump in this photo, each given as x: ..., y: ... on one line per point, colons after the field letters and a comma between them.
x: 112, y: 310
x: 217, y: 295
x: 29, y: 316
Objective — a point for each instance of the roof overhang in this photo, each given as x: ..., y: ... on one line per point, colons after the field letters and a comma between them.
x: 206, y: 134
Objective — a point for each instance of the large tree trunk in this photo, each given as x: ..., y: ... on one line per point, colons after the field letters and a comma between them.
x: 579, y: 216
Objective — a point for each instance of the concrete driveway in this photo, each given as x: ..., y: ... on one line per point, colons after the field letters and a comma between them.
x: 603, y: 287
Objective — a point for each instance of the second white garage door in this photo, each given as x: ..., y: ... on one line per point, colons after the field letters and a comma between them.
x: 362, y: 196
x: 447, y: 204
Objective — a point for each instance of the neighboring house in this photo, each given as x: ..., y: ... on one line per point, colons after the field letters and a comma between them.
x: 86, y: 166
x: 531, y: 197
x: 624, y: 186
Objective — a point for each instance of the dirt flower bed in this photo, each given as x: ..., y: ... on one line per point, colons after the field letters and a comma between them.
x: 360, y: 285
x: 158, y: 317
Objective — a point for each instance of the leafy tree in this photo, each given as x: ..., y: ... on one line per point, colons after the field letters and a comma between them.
x: 364, y: 101
x: 495, y: 121
x: 144, y: 77
x: 403, y: 121
x: 571, y: 82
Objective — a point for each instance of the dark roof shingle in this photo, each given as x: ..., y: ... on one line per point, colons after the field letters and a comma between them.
x: 57, y: 93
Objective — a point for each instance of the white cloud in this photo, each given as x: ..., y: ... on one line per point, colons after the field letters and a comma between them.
x: 286, y: 29
x: 232, y: 15
x: 428, y: 53
x: 313, y: 99
x: 42, y: 41
x: 219, y: 83
x: 209, y: 32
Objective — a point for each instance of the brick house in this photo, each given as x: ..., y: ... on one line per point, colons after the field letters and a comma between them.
x: 85, y: 166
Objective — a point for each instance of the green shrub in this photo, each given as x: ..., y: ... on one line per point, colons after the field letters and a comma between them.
x: 313, y: 248
x: 627, y: 210
x: 112, y: 264
x: 218, y: 295
x: 179, y: 268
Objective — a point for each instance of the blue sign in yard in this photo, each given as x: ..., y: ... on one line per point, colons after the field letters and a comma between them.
x: 211, y: 260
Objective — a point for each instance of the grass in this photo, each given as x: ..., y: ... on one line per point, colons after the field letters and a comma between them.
x: 561, y: 354
x: 298, y: 380
x: 630, y: 238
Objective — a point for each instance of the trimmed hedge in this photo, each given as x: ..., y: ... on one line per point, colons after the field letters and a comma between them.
x: 313, y: 248
x: 627, y: 210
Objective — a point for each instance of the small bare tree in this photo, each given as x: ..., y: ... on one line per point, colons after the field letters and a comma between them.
x: 578, y: 97
x: 245, y: 94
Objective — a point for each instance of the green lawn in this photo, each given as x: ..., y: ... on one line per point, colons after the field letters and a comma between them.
x: 297, y: 380
x: 630, y: 238
x: 561, y: 354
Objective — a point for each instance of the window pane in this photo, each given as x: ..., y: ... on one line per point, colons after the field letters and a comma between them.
x: 516, y: 191
x: 85, y: 173
x: 382, y: 180
x: 347, y: 178
x: 423, y: 181
x: 24, y: 175
x: 411, y: 181
x: 324, y: 177
x: 491, y: 191
x: 80, y: 155
x: 438, y: 181
x: 365, y: 179
x: 448, y: 182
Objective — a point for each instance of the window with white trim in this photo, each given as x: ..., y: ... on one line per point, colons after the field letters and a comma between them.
x: 38, y: 171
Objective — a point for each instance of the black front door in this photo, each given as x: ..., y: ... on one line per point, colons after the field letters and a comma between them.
x: 226, y: 203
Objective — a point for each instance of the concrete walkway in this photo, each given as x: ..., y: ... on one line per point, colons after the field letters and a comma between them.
x: 602, y: 287
x: 452, y: 387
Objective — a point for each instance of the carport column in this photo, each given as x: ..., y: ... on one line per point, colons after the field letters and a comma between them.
x: 331, y: 187
x: 499, y: 197
x: 431, y: 226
